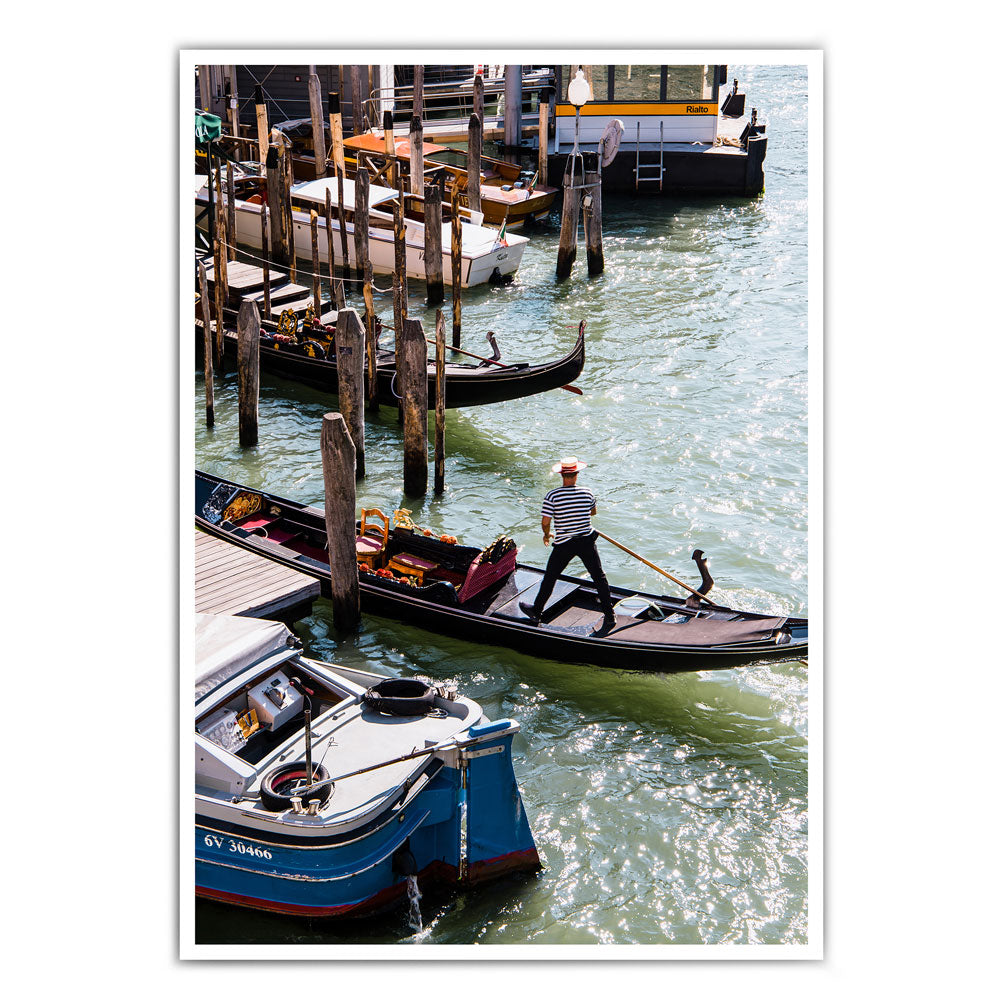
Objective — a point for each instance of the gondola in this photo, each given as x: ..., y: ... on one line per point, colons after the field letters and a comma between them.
x: 474, y: 593
x: 306, y: 360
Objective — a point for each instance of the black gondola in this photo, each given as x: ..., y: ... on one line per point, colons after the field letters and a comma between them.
x: 474, y: 594
x: 308, y: 362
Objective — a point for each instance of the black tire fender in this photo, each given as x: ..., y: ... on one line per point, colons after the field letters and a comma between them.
x: 275, y: 789
x: 401, y: 697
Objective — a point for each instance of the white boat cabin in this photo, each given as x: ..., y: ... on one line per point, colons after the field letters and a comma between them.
x: 668, y: 104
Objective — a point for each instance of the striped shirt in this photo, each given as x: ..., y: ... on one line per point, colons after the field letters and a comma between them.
x: 569, y: 507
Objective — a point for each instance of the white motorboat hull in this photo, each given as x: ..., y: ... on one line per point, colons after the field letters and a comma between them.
x: 482, y: 253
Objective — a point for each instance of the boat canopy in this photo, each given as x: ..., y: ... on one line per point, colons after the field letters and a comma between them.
x: 226, y: 644
x: 316, y: 191
x: 370, y: 143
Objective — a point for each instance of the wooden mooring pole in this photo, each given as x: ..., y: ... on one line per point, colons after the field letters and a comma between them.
x: 592, y: 227
x: 478, y: 101
x: 336, y: 286
x: 314, y: 234
x: 361, y: 188
x: 316, y: 114
x: 543, y: 137
x: 399, y: 290
x: 456, y: 273
x: 221, y: 295
x: 475, y: 162
x: 411, y: 365
x: 418, y: 91
x: 371, y: 345
x: 572, y: 179
x: 221, y: 233
x: 390, y: 148
x: 272, y: 169
x: 357, y: 114
x: 339, y: 464
x: 433, y: 274
x: 230, y: 211
x: 416, y: 156
x: 341, y: 222
x: 288, y: 226
x: 248, y: 366
x: 351, y: 380
x: 265, y: 262
x: 336, y: 132
x: 512, y: 106
x: 439, y: 402
x: 208, y: 348
x: 261, y: 107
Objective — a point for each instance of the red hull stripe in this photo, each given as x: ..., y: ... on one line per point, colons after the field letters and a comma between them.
x: 439, y: 871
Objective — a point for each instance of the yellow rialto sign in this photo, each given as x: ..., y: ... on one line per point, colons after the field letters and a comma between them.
x: 659, y: 109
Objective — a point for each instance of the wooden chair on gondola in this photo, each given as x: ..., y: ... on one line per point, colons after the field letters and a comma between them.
x: 372, y: 538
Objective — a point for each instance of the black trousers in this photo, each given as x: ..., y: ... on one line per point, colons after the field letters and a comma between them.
x: 583, y: 547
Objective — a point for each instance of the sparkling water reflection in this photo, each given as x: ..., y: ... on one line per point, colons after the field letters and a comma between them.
x: 667, y: 809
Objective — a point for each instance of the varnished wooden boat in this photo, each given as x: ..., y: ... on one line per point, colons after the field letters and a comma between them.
x: 463, y: 593
x: 465, y: 384
x: 505, y: 192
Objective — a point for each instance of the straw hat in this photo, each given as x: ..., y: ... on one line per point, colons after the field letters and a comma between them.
x: 569, y: 466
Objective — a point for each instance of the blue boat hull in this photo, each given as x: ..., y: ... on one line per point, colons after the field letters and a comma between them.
x: 363, y: 871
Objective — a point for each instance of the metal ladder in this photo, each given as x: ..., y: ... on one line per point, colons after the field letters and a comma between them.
x: 654, y: 170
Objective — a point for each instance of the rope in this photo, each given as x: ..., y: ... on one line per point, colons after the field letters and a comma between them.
x: 323, y: 276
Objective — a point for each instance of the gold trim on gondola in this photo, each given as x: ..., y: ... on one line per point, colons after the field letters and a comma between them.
x: 242, y: 505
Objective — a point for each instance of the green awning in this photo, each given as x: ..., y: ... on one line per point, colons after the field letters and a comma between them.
x: 206, y: 127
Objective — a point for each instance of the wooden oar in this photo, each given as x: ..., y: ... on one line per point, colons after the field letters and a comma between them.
x: 663, y: 572
x: 500, y: 364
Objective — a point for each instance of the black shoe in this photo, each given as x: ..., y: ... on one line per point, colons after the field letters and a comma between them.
x: 529, y: 610
x: 606, y: 626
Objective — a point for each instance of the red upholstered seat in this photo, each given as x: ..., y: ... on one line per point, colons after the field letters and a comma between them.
x: 370, y: 548
x: 256, y: 522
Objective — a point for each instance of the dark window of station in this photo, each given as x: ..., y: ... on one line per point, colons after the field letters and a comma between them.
x: 690, y: 83
x: 637, y: 83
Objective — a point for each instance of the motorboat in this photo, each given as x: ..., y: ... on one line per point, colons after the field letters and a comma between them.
x: 486, y: 254
x: 328, y: 791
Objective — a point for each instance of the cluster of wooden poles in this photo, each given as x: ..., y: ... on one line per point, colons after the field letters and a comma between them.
x: 355, y: 351
x: 356, y: 339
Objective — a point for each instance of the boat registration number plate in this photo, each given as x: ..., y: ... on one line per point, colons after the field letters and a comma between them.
x: 231, y: 846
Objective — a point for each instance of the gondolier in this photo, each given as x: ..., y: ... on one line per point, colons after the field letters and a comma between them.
x: 570, y: 506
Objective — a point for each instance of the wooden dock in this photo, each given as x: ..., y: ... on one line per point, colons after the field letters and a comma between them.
x: 246, y: 284
x: 232, y: 581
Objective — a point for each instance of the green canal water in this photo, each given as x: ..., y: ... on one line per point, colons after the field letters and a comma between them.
x: 667, y: 809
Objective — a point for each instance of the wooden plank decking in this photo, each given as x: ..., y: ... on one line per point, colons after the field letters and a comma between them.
x: 231, y: 581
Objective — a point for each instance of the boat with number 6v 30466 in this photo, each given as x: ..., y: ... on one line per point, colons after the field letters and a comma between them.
x: 477, y: 594
x: 326, y: 791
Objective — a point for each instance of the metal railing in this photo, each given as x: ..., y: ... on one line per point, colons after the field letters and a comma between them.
x: 451, y: 102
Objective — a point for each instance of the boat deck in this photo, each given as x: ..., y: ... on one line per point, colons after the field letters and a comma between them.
x: 232, y: 581
x: 246, y: 284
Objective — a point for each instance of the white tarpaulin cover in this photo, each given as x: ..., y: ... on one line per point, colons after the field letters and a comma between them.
x: 225, y: 644
x: 316, y: 191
